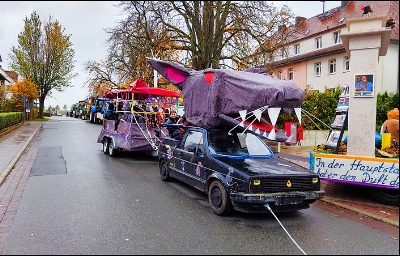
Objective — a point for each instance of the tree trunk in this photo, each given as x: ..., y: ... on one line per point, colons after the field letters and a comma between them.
x: 41, y: 106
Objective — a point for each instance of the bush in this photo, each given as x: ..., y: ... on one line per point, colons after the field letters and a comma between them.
x: 321, y: 108
x: 385, y: 102
x: 10, y: 119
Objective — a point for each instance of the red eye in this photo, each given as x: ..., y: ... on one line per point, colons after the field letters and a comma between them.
x: 209, y: 77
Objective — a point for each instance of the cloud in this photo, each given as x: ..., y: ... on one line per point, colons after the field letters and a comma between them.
x: 85, y: 21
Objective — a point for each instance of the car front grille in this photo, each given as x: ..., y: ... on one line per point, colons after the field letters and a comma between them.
x: 285, y: 184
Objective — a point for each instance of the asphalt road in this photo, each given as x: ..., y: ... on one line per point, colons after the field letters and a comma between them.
x: 78, y: 200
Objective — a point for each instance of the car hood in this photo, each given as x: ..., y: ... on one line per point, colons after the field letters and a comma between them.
x: 266, y: 166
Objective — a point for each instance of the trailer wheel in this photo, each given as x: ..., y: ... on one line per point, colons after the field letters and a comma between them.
x: 111, y: 149
x: 164, y: 172
x: 105, y: 146
x: 219, y: 199
x: 385, y: 196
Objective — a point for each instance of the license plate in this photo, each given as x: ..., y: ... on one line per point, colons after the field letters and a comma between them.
x: 289, y: 200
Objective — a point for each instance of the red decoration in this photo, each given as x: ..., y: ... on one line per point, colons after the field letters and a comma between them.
x: 209, y: 77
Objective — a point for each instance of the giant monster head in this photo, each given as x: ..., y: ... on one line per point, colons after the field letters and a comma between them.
x: 210, y: 93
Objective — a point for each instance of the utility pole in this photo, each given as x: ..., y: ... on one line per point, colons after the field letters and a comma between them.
x: 323, y: 6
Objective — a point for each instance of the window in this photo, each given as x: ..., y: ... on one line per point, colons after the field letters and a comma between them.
x: 297, y: 49
x: 336, y: 37
x: 346, y: 64
x: 332, y: 66
x: 283, y: 54
x: 318, y: 42
x: 194, y: 139
x: 318, y: 69
x: 280, y: 75
x: 291, y: 74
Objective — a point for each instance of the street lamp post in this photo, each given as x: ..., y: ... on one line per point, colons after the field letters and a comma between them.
x: 24, y: 101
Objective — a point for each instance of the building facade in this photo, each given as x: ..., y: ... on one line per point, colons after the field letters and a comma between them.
x: 316, y: 57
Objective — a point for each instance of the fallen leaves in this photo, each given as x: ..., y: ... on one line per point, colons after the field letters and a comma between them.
x: 385, y: 212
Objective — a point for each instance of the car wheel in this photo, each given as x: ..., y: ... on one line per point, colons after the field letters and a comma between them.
x: 105, y: 146
x: 385, y: 196
x: 219, y: 199
x: 164, y: 172
x: 111, y: 149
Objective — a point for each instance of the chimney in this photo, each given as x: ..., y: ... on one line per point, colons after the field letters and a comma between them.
x: 281, y: 28
x: 298, y: 20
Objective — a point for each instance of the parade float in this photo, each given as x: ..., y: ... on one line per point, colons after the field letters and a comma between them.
x: 358, y: 161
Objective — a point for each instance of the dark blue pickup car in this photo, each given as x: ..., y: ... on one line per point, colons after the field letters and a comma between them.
x: 238, y: 171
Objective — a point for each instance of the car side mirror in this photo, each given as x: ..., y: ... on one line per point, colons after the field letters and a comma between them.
x: 199, y: 152
x: 192, y: 149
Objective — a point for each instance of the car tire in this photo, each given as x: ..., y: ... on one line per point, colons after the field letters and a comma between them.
x: 219, y: 199
x: 112, y: 151
x: 105, y: 146
x: 164, y: 172
x: 385, y: 196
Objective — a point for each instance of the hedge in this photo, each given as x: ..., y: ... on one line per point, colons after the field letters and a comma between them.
x: 10, y: 118
x: 321, y: 107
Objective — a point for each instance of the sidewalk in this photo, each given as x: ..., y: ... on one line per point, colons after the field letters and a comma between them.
x: 13, y: 144
x: 350, y: 197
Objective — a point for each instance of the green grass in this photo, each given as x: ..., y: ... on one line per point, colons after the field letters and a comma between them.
x: 40, y: 119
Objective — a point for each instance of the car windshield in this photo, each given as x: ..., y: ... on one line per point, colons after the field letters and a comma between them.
x: 237, y: 144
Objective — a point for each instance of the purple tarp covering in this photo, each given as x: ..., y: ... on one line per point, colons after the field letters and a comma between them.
x: 210, y: 92
x: 129, y: 135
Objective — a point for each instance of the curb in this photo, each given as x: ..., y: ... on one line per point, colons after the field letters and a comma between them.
x: 10, y: 166
x: 330, y: 200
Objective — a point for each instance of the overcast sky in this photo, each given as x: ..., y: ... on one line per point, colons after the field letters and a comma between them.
x: 85, y: 21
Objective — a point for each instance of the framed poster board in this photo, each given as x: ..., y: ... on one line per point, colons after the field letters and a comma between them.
x: 343, y: 103
x: 333, y: 138
x: 364, y: 85
x: 339, y: 120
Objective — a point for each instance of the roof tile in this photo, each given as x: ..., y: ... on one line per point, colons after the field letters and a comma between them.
x: 336, y: 17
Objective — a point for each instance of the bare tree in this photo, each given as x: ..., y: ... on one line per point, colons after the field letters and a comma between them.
x: 131, y: 42
x: 211, y: 32
x: 199, y: 34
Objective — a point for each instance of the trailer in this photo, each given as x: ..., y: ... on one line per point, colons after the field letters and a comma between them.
x: 141, y: 109
x: 380, y: 175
